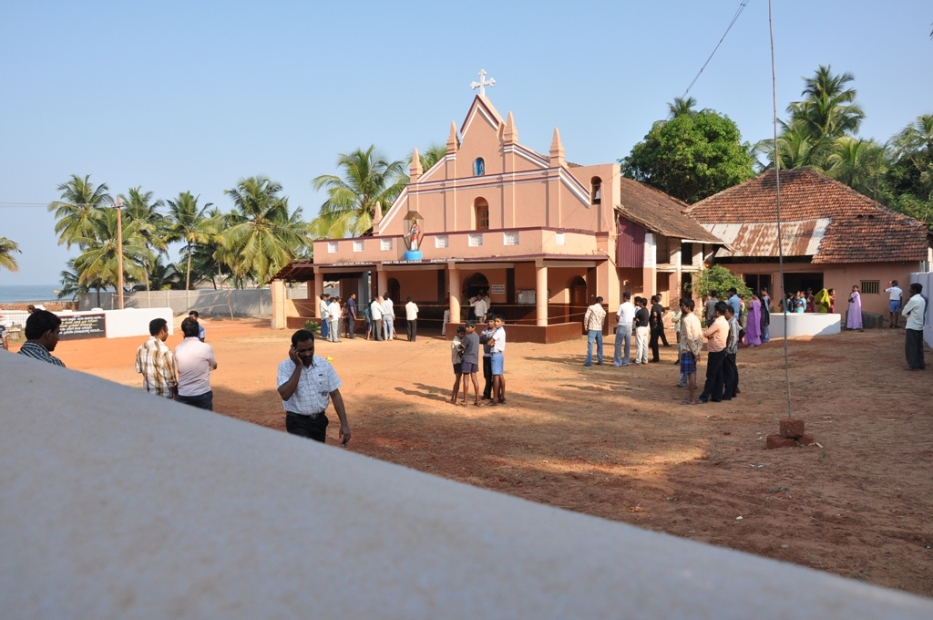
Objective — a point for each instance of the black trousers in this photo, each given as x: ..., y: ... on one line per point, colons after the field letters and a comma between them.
x: 656, y: 332
x: 351, y: 327
x: 201, y: 401
x: 913, y: 347
x: 377, y: 329
x: 306, y: 426
x: 712, y: 390
x: 487, y: 376
x: 730, y: 374
x: 412, y: 330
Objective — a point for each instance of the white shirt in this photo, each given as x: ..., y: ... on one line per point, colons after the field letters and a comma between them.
x: 499, y: 338
x: 388, y: 308
x: 195, y: 361
x: 480, y: 307
x: 324, y: 308
x: 914, y: 310
x: 334, y: 311
x: 895, y: 293
x: 376, y: 309
x: 626, y: 313
x: 411, y: 311
x: 314, y: 387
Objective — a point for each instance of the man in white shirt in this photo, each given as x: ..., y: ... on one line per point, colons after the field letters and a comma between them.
x: 324, y: 315
x: 625, y: 317
x: 895, y: 298
x: 593, y: 322
x: 480, y: 305
x: 195, y: 361
x: 333, y: 312
x: 411, y: 315
x: 915, y: 311
x: 375, y: 308
x: 306, y: 384
x: 388, y: 317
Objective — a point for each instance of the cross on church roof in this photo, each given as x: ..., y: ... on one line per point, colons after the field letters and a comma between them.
x: 482, y: 84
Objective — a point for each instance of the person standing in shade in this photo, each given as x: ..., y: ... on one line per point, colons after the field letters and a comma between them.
x: 717, y: 336
x: 593, y: 322
x: 197, y: 317
x: 456, y: 359
x: 306, y: 384
x: 625, y: 317
x: 915, y: 313
x: 195, y: 361
x: 765, y: 316
x: 854, y: 318
x: 375, y: 309
x: 388, y: 317
x: 352, y: 316
x: 480, y: 305
x: 895, y: 300
x: 642, y: 318
x: 42, y: 337
x: 324, y: 315
x: 710, y: 307
x: 411, y: 318
x: 470, y: 364
x: 156, y: 363
x: 486, y: 338
x: 690, y: 346
x: 656, y: 327
x: 730, y: 370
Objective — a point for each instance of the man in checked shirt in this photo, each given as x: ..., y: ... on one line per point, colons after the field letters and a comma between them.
x: 156, y: 363
x: 307, y: 383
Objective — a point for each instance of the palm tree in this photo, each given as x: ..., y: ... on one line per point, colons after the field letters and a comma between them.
x: 7, y: 260
x: 151, y: 225
x: 370, y: 182
x: 187, y: 223
x: 858, y: 163
x: 71, y: 285
x: 682, y: 106
x: 97, y: 265
x: 262, y: 236
x: 431, y: 156
x: 81, y: 204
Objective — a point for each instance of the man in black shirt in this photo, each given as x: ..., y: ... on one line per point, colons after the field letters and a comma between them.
x: 656, y: 323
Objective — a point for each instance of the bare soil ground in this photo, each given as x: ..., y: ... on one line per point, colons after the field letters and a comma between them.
x: 617, y: 443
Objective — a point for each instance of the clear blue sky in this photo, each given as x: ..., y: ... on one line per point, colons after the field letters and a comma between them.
x: 193, y: 96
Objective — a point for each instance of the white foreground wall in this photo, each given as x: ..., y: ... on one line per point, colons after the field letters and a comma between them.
x: 117, y: 504
x: 807, y: 324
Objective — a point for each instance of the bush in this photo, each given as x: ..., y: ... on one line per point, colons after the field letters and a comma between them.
x: 719, y: 279
x: 312, y: 326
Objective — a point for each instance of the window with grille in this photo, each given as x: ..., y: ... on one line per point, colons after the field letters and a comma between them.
x: 357, y: 246
x: 475, y: 241
x: 385, y: 244
x: 441, y: 241
x: 332, y: 247
x: 870, y: 287
x: 510, y: 238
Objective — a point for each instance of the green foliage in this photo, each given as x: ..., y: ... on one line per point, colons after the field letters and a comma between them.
x: 7, y: 260
x: 312, y: 326
x: 718, y: 278
x: 81, y: 204
x: 691, y: 156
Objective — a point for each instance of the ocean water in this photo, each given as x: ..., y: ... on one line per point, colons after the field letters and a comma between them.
x: 28, y: 292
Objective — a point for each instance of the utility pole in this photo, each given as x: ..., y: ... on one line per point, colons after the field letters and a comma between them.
x: 119, y: 253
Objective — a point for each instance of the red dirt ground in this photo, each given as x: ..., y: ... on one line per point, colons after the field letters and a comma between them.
x: 616, y: 443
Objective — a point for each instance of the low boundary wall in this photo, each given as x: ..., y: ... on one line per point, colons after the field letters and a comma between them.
x: 120, y: 504
x: 807, y: 324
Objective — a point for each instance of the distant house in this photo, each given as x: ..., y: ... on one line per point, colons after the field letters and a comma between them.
x: 541, y: 236
x: 833, y: 237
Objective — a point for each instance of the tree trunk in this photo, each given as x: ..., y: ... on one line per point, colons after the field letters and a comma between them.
x: 188, y: 276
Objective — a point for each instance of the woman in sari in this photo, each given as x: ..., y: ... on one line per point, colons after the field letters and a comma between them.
x: 753, y: 324
x: 854, y: 319
x: 811, y: 301
x: 800, y: 305
x: 822, y: 301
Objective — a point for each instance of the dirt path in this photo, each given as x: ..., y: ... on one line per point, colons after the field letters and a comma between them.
x: 616, y: 443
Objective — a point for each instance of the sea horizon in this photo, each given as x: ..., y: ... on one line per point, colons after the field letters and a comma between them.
x: 36, y: 293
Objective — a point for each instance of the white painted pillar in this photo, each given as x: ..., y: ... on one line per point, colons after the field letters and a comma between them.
x: 541, y: 293
x: 454, y: 291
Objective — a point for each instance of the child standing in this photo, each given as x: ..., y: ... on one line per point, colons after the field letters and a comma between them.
x: 456, y: 358
x: 470, y: 364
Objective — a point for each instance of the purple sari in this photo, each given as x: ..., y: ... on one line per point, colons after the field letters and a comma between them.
x: 854, y: 320
x: 753, y: 325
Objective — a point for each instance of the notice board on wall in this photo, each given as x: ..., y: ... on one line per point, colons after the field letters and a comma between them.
x: 79, y: 326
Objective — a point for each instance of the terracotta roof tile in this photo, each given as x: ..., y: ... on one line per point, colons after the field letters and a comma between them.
x: 660, y: 212
x: 860, y: 229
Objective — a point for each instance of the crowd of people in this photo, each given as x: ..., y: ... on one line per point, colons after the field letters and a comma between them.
x: 339, y: 317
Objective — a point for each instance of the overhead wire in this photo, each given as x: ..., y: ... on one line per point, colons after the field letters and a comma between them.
x: 735, y: 17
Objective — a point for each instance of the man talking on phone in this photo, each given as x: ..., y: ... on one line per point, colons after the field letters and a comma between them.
x: 307, y: 383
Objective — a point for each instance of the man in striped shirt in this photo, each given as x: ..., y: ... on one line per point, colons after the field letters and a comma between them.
x: 156, y: 363
x: 41, y: 337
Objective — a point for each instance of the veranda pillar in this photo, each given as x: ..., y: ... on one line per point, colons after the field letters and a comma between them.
x: 453, y: 275
x: 541, y: 294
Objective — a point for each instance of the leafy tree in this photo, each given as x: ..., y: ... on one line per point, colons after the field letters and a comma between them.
x: 369, y: 182
x: 262, y: 236
x: 909, y: 176
x: 97, y: 265
x: 188, y: 224
x: 682, y: 106
x: 140, y: 211
x: 691, y: 156
x: 7, y: 260
x: 81, y: 204
x: 718, y: 278
x: 71, y: 285
x: 431, y: 155
x: 860, y: 164
x: 165, y: 277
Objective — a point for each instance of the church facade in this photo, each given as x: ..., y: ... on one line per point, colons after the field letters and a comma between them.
x: 540, y: 236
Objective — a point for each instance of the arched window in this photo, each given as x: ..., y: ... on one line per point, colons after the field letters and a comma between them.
x: 479, y: 167
x: 596, y: 191
x: 480, y: 214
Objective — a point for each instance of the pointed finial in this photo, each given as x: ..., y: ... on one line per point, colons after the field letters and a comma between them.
x: 510, y: 133
x: 557, y: 150
x: 415, y: 170
x: 453, y: 142
x: 377, y: 214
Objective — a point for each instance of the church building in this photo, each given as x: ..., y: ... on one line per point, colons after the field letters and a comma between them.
x: 540, y: 236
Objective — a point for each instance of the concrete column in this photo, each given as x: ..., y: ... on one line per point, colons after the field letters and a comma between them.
x: 677, y: 277
x: 318, y: 291
x: 382, y: 281
x: 697, y: 254
x: 454, y: 291
x: 278, y: 304
x: 541, y: 293
x: 649, y: 277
